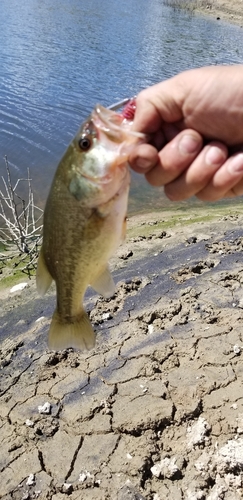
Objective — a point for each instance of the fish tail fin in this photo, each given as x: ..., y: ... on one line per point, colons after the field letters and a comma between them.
x: 43, y: 277
x: 78, y: 333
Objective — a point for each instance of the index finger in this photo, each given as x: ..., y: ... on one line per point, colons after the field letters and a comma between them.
x: 157, y: 105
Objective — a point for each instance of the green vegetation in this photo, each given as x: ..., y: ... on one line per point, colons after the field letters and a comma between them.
x: 169, y: 219
x: 11, y: 279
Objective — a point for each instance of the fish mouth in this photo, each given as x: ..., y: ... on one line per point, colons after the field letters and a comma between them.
x: 114, y: 141
x: 114, y: 125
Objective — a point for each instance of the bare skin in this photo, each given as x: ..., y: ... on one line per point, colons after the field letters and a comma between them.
x: 195, y: 126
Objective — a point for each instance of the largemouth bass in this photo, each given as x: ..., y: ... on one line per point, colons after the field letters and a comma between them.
x: 84, y: 222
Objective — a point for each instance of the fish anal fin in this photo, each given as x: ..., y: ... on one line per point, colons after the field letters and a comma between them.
x: 43, y: 277
x: 78, y: 333
x: 104, y: 284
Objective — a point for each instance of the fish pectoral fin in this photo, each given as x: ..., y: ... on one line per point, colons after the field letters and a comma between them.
x: 43, y: 277
x: 78, y: 333
x: 124, y: 230
x: 104, y: 284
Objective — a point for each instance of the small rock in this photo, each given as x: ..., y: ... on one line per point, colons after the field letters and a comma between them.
x: 39, y: 319
x: 126, y: 255
x: 162, y: 234
x: 29, y: 423
x: 82, y: 477
x: 85, y: 475
x: 46, y: 408
x: 237, y: 350
x: 191, y: 240
x: 67, y: 488
x: 230, y: 457
x: 18, y: 288
x: 166, y: 468
x: 150, y: 329
x: 240, y: 304
x: 31, y: 480
x: 197, y: 433
x: 107, y: 315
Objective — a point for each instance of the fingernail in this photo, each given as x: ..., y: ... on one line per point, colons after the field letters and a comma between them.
x: 188, y: 144
x: 236, y: 164
x: 143, y: 163
x: 215, y: 156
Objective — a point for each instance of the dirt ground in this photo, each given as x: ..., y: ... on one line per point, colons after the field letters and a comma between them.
x: 226, y: 10
x: 155, y: 411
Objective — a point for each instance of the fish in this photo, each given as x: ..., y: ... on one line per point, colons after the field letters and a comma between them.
x: 85, y: 222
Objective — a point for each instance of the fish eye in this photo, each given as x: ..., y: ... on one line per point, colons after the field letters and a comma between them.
x: 84, y: 143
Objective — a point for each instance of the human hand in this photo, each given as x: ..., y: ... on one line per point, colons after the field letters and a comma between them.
x: 195, y: 124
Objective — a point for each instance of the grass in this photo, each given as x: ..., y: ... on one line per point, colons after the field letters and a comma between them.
x: 11, y: 280
x: 11, y: 271
x: 169, y: 219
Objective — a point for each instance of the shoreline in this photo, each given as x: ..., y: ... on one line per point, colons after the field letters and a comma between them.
x: 140, y: 224
x: 223, y: 10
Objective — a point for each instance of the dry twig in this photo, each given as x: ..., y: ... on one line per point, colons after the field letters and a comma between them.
x: 22, y: 223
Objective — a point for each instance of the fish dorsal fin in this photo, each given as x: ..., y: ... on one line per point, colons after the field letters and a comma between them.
x: 78, y: 333
x: 43, y: 277
x: 104, y: 284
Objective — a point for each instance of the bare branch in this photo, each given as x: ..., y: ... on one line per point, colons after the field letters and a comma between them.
x: 22, y: 222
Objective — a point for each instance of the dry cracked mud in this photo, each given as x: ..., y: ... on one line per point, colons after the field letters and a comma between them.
x: 155, y: 411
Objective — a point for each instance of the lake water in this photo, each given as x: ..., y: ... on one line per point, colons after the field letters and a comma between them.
x: 57, y: 59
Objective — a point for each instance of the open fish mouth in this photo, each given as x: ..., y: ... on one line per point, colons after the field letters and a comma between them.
x: 114, y: 125
x: 110, y: 140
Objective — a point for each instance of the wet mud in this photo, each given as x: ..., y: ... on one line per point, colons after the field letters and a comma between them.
x: 155, y: 411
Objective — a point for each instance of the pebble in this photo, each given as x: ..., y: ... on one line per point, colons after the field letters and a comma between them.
x: 85, y: 475
x: 167, y: 468
x: 18, y: 288
x: 236, y: 349
x: 150, y: 329
x: 46, y: 408
x: 39, y: 319
x: 67, y: 488
x: 29, y: 423
x: 107, y: 315
x: 197, y: 433
x: 31, y: 480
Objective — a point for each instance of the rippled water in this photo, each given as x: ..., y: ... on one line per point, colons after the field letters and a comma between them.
x: 58, y: 59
